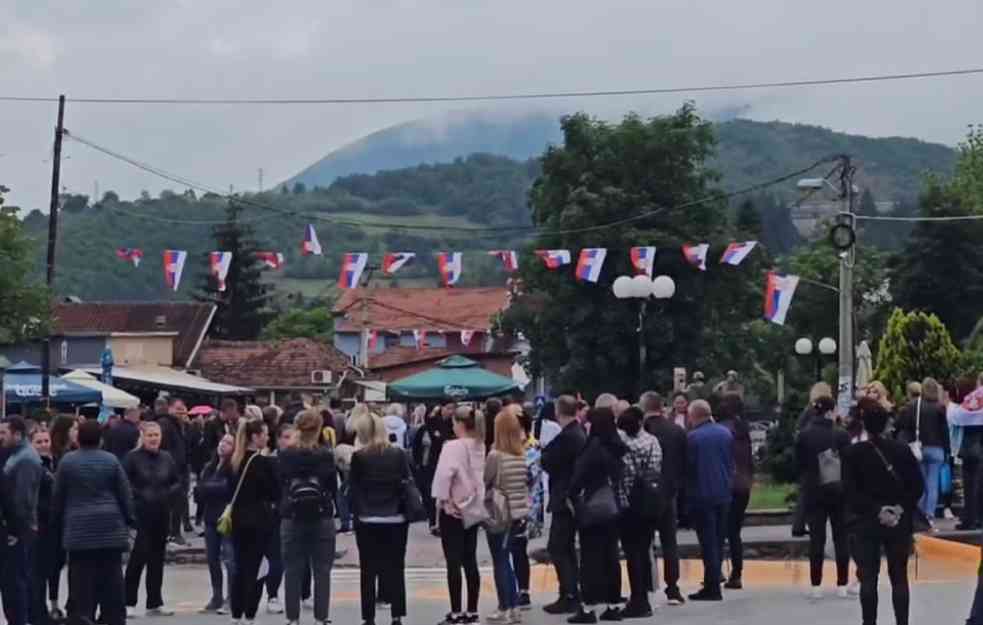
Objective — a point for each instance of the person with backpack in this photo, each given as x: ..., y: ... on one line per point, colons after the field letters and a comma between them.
x: 505, y: 472
x: 818, y: 451
x: 308, y: 482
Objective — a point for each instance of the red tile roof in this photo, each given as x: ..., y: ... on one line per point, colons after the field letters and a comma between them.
x: 420, y: 309
x: 268, y: 364
x: 189, y: 320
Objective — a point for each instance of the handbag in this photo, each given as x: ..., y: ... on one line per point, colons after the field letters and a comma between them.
x: 224, y: 525
x: 598, y: 508
x: 646, y: 499
x: 919, y: 522
x: 497, y: 505
x: 916, y: 445
x: 412, y: 506
x: 830, y: 467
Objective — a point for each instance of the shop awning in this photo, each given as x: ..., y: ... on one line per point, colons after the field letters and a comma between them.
x: 171, y: 379
x: 112, y: 397
x: 22, y: 384
x: 454, y: 378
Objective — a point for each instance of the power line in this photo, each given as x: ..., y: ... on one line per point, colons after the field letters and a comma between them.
x: 515, y: 96
x: 889, y: 218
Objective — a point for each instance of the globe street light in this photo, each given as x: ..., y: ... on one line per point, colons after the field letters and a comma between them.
x: 640, y: 287
x: 826, y: 347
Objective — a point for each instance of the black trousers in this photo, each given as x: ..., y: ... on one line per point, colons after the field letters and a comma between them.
x: 563, y: 552
x: 972, y: 469
x: 95, y: 579
x: 600, y: 580
x: 249, y: 545
x: 735, y: 523
x: 636, y: 543
x: 426, y: 484
x: 817, y: 513
x: 382, y: 558
x: 896, y: 549
x: 460, y: 552
x: 148, y: 552
x: 46, y: 557
x: 667, y: 528
x: 181, y: 507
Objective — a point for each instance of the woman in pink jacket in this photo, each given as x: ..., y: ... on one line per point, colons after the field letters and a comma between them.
x: 459, y: 490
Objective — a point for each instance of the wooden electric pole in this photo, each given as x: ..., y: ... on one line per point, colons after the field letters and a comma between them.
x: 52, y: 244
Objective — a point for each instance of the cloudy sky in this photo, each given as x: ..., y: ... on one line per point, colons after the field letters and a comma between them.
x: 383, y: 48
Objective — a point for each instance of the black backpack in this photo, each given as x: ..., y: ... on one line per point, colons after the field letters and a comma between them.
x: 308, y: 501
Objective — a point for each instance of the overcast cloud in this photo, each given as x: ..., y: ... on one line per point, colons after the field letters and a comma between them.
x: 376, y: 48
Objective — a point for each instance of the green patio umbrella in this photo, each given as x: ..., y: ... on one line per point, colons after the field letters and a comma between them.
x: 454, y: 378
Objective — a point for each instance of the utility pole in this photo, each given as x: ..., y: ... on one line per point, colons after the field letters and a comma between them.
x: 52, y: 244
x: 364, y: 335
x: 260, y: 176
x: 847, y: 261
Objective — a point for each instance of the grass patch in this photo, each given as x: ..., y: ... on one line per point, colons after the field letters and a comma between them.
x: 769, y: 496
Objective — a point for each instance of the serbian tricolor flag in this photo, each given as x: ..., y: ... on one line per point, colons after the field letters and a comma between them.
x: 219, y: 263
x: 779, y: 290
x: 373, y: 339
x: 174, y: 267
x: 736, y: 252
x: 510, y: 260
x: 969, y: 412
x: 466, y: 336
x: 643, y: 260
x: 449, y: 264
x: 272, y: 260
x: 310, y: 246
x: 352, y: 266
x: 394, y: 261
x: 696, y: 255
x: 130, y: 255
x: 420, y: 338
x: 590, y: 262
x: 554, y: 259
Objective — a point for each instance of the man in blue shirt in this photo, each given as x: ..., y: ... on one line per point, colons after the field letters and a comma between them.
x: 709, y: 477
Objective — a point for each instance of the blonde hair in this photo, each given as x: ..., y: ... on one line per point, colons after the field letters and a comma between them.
x: 931, y: 390
x: 253, y: 412
x: 510, y: 438
x: 148, y: 425
x: 247, y: 429
x: 308, y: 424
x: 885, y: 399
x: 914, y: 390
x: 359, y: 412
x: 370, y: 433
x: 473, y: 420
x: 818, y: 391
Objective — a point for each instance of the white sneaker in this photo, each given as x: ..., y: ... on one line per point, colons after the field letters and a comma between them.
x: 273, y: 606
x: 307, y: 604
x: 131, y: 612
x: 842, y: 592
x: 497, y: 618
x: 816, y: 593
x: 853, y: 589
x: 161, y: 611
x: 948, y: 515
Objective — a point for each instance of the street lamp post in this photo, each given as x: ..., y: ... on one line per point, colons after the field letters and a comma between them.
x: 826, y: 347
x: 640, y: 287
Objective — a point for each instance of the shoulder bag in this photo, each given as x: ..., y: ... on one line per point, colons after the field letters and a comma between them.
x: 600, y: 507
x: 916, y: 445
x: 496, y: 503
x: 224, y: 525
x: 412, y: 501
x: 919, y: 522
x: 830, y: 467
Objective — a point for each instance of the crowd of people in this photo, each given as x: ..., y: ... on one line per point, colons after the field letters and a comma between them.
x: 273, y: 487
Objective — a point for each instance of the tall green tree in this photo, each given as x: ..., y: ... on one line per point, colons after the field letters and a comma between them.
x: 748, y: 220
x: 243, y: 308
x: 915, y: 345
x: 314, y: 323
x: 24, y: 305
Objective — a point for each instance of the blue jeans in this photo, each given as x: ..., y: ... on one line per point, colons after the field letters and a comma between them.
x: 931, y: 464
x: 17, y: 567
x: 220, y: 553
x: 710, y: 523
x: 505, y: 582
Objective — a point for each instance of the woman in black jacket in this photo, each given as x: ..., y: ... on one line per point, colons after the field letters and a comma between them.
x: 731, y: 416
x: 253, y: 516
x: 309, y: 482
x: 883, y: 485
x: 46, y: 548
x: 156, y: 485
x: 378, y: 471
x: 213, y: 493
x: 821, y: 496
x: 598, y: 465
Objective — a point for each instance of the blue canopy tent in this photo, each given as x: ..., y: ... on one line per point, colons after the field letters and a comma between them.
x: 22, y: 383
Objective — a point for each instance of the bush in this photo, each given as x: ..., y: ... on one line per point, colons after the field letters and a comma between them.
x: 778, y: 457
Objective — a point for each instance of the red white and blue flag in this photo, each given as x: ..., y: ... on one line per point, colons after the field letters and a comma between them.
x: 696, y: 255
x: 311, y: 246
x: 466, y: 336
x: 779, y: 290
x: 272, y: 260
x: 174, y: 267
x: 643, y: 260
x: 352, y: 266
x: 554, y: 259
x: 420, y: 338
x: 969, y: 412
x: 450, y: 266
x: 394, y: 261
x: 509, y: 258
x: 736, y: 252
x: 130, y: 255
x: 373, y: 340
x: 219, y: 263
x: 590, y: 263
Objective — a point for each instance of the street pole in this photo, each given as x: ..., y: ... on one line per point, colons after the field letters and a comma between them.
x: 847, y: 260
x: 642, y: 353
x: 52, y: 244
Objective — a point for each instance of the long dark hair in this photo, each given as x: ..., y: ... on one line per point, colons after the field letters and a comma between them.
x: 60, y: 427
x: 602, y: 423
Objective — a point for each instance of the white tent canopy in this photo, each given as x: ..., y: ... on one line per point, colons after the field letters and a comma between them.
x: 112, y: 397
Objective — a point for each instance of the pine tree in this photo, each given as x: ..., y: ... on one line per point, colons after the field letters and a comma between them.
x: 915, y: 345
x: 243, y: 308
x: 748, y: 220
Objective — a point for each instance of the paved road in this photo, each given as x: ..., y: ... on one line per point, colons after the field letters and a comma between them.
x: 186, y: 588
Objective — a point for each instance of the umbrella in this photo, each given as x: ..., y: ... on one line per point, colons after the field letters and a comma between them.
x: 112, y: 397
x: 201, y: 410
x: 23, y: 385
x: 864, y: 366
x: 455, y: 378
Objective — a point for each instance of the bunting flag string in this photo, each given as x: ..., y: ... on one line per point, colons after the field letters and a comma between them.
x: 394, y: 261
x: 219, y: 265
x: 311, y: 246
x: 130, y: 254
x: 737, y: 252
x: 590, y: 263
x: 352, y: 266
x: 272, y: 260
x: 420, y: 338
x: 174, y: 267
x: 450, y: 265
x: 509, y: 258
x: 466, y: 336
x: 779, y: 290
x: 696, y: 255
x: 554, y: 259
x: 643, y: 260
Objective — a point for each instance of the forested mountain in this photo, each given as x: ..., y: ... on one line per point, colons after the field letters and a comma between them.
x: 362, y: 212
